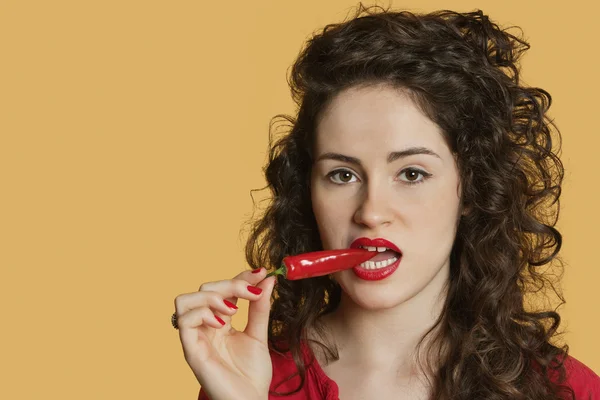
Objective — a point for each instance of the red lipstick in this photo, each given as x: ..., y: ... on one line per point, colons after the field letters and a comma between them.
x: 377, y: 273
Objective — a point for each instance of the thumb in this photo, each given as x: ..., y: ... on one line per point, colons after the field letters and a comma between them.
x: 259, y: 310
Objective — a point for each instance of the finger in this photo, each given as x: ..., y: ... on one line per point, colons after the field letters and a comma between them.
x: 212, y: 300
x: 214, y: 293
x: 259, y: 310
x: 198, y: 317
x: 253, y: 277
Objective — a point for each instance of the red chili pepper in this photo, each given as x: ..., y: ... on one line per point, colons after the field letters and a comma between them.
x: 318, y: 263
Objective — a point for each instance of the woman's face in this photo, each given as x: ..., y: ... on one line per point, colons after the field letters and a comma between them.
x: 364, y: 185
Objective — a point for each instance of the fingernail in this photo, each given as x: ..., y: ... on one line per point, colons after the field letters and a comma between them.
x: 220, y: 320
x: 256, y: 271
x: 254, y: 290
x: 230, y: 304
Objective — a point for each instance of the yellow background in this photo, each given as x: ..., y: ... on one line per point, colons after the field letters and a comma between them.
x: 131, y: 135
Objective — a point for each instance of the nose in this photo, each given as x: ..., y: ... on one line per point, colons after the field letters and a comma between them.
x: 374, y: 208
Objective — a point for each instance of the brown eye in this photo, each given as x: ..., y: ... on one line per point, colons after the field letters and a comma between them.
x: 412, y: 176
x: 345, y: 176
x: 342, y: 176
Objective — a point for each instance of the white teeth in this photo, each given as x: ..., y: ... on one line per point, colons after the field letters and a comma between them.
x: 378, y: 264
x: 373, y: 248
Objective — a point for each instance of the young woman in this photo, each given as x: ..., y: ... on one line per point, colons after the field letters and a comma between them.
x: 413, y: 135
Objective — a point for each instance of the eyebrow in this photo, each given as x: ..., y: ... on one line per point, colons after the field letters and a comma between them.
x: 393, y: 156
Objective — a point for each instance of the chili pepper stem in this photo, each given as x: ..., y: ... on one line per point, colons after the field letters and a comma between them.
x: 279, y: 271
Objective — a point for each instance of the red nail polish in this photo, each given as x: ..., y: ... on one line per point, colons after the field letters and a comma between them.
x: 256, y: 271
x: 254, y: 290
x: 230, y: 304
x: 220, y: 320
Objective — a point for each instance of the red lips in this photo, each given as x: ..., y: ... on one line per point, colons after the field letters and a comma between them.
x: 378, y: 242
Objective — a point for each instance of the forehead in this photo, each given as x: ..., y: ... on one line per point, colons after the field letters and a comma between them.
x: 376, y: 116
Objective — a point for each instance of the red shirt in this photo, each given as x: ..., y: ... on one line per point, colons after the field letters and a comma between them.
x: 318, y: 386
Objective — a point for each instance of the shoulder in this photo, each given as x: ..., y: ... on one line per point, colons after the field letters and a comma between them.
x: 579, y: 377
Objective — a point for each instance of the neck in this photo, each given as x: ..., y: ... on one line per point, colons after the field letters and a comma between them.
x: 386, y: 339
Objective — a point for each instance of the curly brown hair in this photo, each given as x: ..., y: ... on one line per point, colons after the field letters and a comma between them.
x: 461, y: 69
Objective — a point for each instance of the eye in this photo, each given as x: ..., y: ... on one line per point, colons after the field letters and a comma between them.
x: 342, y: 176
x: 412, y: 175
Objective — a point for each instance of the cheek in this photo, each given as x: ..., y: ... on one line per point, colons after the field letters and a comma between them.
x: 435, y: 222
x: 320, y: 211
x: 332, y: 218
x: 439, y: 200
x: 429, y: 209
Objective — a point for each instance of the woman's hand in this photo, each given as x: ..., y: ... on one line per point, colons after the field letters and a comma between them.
x: 229, y: 364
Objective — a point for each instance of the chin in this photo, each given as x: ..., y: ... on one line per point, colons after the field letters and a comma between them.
x: 369, y: 299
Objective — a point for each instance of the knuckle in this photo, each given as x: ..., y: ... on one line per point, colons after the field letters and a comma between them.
x: 239, y: 286
x: 239, y: 282
x: 178, y: 302
x: 200, y: 316
x: 212, y: 298
x: 203, y: 287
